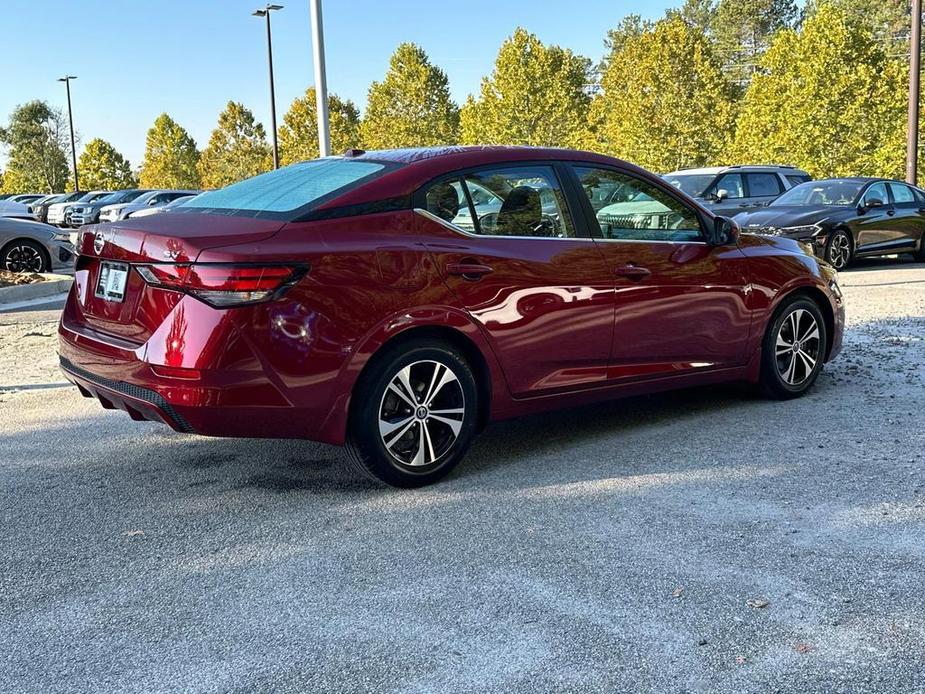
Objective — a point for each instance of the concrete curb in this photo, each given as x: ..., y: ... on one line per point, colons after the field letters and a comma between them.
x: 53, y: 284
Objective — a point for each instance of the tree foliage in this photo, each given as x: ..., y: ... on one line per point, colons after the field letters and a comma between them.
x: 664, y: 102
x: 411, y: 106
x: 101, y: 167
x: 743, y: 32
x: 298, y: 136
x: 827, y: 99
x: 237, y: 149
x: 37, y: 138
x: 170, y: 157
x: 536, y: 95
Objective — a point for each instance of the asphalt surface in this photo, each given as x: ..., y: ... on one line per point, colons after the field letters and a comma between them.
x: 704, y: 541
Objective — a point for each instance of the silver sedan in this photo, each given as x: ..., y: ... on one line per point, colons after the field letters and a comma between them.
x: 27, y: 246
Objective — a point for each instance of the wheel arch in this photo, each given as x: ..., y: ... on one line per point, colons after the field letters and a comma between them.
x: 818, y: 297
x: 450, y: 336
x: 443, y: 323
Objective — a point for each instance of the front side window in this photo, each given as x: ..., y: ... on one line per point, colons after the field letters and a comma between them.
x: 646, y: 212
x: 288, y: 189
x: 732, y: 184
x: 523, y: 201
x: 876, y: 192
x: 763, y: 185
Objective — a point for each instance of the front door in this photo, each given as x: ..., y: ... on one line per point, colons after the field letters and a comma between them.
x: 681, y: 304
x: 880, y: 228
x: 508, y: 248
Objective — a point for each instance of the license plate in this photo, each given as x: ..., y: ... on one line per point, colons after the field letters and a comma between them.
x: 111, y: 282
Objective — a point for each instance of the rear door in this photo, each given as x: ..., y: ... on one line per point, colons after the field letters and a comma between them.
x: 910, y: 221
x: 762, y: 187
x: 510, y: 251
x: 680, y: 303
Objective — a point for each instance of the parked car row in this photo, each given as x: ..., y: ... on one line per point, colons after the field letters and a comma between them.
x: 841, y: 218
x: 100, y: 206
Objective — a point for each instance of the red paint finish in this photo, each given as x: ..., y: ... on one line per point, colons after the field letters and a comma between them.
x: 548, y: 322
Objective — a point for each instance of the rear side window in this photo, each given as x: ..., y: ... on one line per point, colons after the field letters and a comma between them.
x: 763, y: 185
x: 290, y: 188
x: 521, y: 201
x: 797, y: 180
x: 902, y: 195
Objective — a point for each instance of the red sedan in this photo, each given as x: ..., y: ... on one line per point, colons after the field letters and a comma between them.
x: 398, y: 301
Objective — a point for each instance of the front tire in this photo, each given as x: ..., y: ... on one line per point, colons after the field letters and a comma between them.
x: 413, y: 415
x: 25, y: 256
x: 794, y: 348
x: 839, y: 249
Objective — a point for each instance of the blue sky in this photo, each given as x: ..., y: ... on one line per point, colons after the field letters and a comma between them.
x: 137, y: 58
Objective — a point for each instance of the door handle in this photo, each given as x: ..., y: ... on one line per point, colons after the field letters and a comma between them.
x: 890, y: 213
x: 633, y: 272
x: 470, y: 270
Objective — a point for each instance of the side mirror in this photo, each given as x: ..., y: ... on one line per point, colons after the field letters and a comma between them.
x: 872, y: 203
x: 724, y: 232
x: 721, y: 194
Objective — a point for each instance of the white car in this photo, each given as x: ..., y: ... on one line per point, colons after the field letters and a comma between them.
x: 151, y: 199
x: 18, y: 205
x: 58, y: 213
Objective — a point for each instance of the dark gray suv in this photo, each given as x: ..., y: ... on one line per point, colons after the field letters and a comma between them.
x: 727, y: 190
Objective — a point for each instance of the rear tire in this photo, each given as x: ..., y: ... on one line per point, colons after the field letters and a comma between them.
x: 24, y: 255
x: 839, y: 249
x: 413, y: 415
x: 793, y: 350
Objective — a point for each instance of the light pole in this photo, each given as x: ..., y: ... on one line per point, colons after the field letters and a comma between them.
x: 915, y: 53
x: 321, y: 81
x: 265, y: 12
x: 67, y: 83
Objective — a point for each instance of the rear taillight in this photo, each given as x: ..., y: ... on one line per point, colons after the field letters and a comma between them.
x: 223, y: 285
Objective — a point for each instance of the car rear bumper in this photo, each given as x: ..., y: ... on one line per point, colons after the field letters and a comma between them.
x: 226, y: 391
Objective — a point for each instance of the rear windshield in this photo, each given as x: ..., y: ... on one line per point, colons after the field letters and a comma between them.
x: 287, y: 190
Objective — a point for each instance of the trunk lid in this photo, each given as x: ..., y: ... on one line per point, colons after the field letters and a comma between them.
x: 163, y: 238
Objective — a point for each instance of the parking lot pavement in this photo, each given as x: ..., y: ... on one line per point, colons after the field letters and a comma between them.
x: 707, y: 541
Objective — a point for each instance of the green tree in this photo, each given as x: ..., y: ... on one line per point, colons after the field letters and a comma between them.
x: 889, y: 20
x: 237, y: 149
x: 102, y: 167
x: 743, y: 32
x: 536, y: 95
x: 36, y: 137
x: 411, y: 106
x: 170, y: 157
x: 664, y: 102
x: 827, y: 99
x: 298, y: 136
x: 699, y: 14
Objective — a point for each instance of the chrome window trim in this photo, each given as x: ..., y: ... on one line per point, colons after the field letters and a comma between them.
x: 459, y: 230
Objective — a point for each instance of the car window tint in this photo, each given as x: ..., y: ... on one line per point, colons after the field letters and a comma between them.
x: 797, y: 180
x: 518, y: 201
x: 902, y: 195
x: 876, y: 192
x: 644, y: 212
x: 763, y: 185
x: 732, y: 184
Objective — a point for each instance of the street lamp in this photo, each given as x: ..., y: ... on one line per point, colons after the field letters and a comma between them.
x: 265, y: 12
x: 321, y: 83
x: 67, y: 83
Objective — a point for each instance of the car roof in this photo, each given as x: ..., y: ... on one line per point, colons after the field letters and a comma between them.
x: 759, y: 168
x: 415, y: 167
